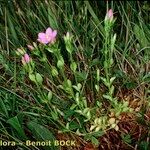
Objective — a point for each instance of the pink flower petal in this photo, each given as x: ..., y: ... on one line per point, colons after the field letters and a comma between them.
x: 26, y: 58
x: 54, y: 33
x: 42, y: 38
x: 48, y: 31
x: 41, y: 35
x: 110, y: 14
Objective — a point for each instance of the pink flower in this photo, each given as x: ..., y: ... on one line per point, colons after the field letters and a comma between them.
x: 109, y: 15
x: 48, y: 37
x: 25, y: 59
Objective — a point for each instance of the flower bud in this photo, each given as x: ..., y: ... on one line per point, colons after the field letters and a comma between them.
x: 25, y: 59
x: 67, y: 36
x: 30, y: 47
x: 20, y: 51
x: 109, y: 15
x: 68, y: 42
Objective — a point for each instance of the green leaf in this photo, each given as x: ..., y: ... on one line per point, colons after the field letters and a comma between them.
x: 12, y: 29
x: 112, y: 90
x: 105, y: 81
x: 3, y: 108
x: 73, y: 125
x: 106, y: 64
x: 112, y: 80
x: 73, y: 66
x: 98, y: 133
x: 75, y: 87
x: 69, y: 84
x: 78, y: 87
x: 49, y: 49
x: 14, y: 122
x: 39, y: 78
x: 69, y: 113
x: 51, y: 17
x: 60, y: 64
x: 98, y: 74
x: 94, y: 141
x: 41, y: 133
x: 146, y: 78
x: 94, y: 62
x: 131, y: 85
x: 73, y: 106
x: 54, y: 72
x: 97, y: 88
x: 95, y: 18
x: 140, y: 35
x: 143, y: 145
x: 54, y: 115
x: 50, y: 95
x: 81, y: 76
x: 126, y: 138
x: 93, y: 134
x: 32, y: 77
x: 108, y: 97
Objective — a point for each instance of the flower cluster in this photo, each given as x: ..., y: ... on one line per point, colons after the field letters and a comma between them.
x: 45, y: 38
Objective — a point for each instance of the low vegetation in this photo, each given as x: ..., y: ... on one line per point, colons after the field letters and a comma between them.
x: 74, y: 75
